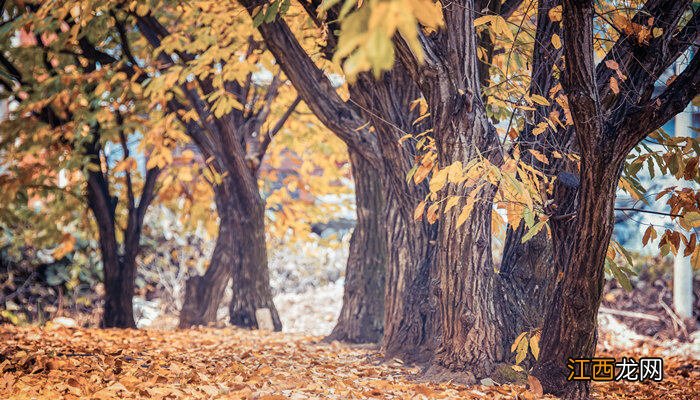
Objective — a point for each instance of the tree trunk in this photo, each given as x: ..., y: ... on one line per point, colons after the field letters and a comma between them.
x: 119, y: 272
x: 119, y: 278
x: 203, y: 294
x: 361, y: 318
x: 527, y: 272
x: 471, y: 324
x: 410, y: 330
x: 525, y: 281
x: 570, y: 322
x: 409, y: 318
x: 251, y: 276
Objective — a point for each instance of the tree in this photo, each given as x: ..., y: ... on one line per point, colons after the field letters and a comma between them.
x: 610, y: 120
x: 230, y: 130
x: 232, y: 112
x: 444, y: 52
x: 408, y: 330
x: 46, y: 71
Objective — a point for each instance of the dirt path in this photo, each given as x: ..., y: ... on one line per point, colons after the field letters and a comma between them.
x: 70, y: 363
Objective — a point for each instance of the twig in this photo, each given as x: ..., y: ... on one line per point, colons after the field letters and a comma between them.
x: 572, y: 214
x: 676, y: 319
x: 630, y: 314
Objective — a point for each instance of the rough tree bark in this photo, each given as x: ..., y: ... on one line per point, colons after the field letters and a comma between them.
x: 361, y: 317
x: 251, y: 276
x: 607, y: 126
x: 470, y: 324
x: 410, y: 327
x: 527, y: 271
x: 203, y: 294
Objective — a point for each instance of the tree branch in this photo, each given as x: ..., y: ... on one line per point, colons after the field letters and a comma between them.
x: 315, y: 89
x: 653, y: 114
x: 579, y: 79
x: 267, y: 138
x: 508, y: 7
x: 125, y: 150
x: 126, y: 47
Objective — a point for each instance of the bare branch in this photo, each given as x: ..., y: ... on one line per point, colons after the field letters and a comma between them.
x: 125, y: 150
x: 315, y: 89
x: 267, y: 138
x: 650, y: 116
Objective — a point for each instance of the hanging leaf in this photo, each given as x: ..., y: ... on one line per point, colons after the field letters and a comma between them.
x: 533, y: 231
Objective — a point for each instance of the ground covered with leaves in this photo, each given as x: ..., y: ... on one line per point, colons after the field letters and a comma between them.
x: 58, y: 362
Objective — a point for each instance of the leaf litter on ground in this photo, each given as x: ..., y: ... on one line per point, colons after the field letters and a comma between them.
x: 57, y: 362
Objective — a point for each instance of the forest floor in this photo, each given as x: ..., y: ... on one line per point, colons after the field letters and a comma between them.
x: 59, y: 362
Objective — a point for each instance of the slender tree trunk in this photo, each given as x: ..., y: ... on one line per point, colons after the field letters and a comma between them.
x: 119, y: 272
x: 203, y: 294
x: 525, y: 281
x: 119, y: 278
x: 527, y: 272
x: 361, y: 318
x: 251, y: 276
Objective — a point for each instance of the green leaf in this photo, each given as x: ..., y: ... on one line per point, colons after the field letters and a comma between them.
x: 619, y: 275
x: 534, y: 230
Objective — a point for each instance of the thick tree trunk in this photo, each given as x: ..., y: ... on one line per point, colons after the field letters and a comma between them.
x: 409, y: 318
x: 361, y: 318
x: 250, y: 276
x: 470, y: 320
x: 410, y: 330
x: 570, y: 322
x: 203, y: 294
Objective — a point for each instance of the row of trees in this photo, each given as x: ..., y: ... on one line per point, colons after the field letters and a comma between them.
x: 453, y: 115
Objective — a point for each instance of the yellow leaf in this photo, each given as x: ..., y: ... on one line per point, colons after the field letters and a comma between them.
x: 437, y: 182
x: 421, y: 173
x: 555, y: 13
x: 455, y: 172
x: 534, y: 230
x: 418, y: 213
x: 521, y: 351
x: 432, y: 213
x: 517, y: 341
x: 464, y: 214
x: 556, y: 41
x: 692, y: 219
x: 540, y: 128
x: 451, y: 202
x: 539, y: 99
x: 539, y: 156
x: 535, y: 345
x: 66, y: 246
x: 483, y: 20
